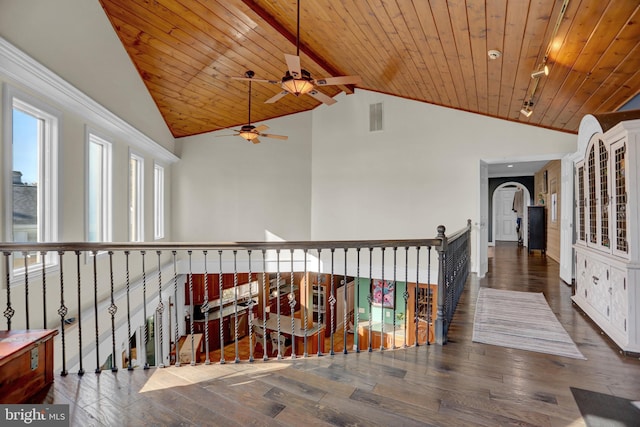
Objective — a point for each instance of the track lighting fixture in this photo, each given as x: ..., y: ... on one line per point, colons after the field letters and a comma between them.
x: 526, y: 109
x: 540, y: 73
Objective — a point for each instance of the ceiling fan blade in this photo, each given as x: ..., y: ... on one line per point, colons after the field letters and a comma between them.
x: 268, y: 135
x: 276, y: 97
x: 293, y: 64
x: 255, y: 141
x: 261, y: 128
x: 322, y: 97
x: 340, y: 80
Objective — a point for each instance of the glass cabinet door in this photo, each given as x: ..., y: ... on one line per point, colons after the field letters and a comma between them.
x: 603, y: 199
x: 592, y: 237
x: 621, y: 246
x: 580, y: 203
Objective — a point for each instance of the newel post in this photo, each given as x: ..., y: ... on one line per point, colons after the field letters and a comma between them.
x: 440, y: 318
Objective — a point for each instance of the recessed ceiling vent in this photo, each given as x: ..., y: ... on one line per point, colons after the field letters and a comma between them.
x: 375, y: 117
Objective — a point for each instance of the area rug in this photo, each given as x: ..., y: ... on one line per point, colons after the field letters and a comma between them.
x: 605, y: 410
x: 521, y: 320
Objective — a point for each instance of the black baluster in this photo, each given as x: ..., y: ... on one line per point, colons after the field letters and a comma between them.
x: 9, y: 311
x: 405, y: 295
x: 44, y: 290
x: 205, y: 310
x: 345, y: 320
x: 356, y: 317
x: 417, y: 290
x: 221, y: 323
x: 235, y: 305
x: 126, y: 262
x: 370, y: 299
x: 265, y: 298
x: 395, y: 296
x: 429, y: 302
x: 382, y: 305
x: 320, y: 316
x: 62, y: 312
x: 278, y: 310
x: 160, y: 311
x: 26, y: 286
x: 95, y: 309
x: 250, y: 314
x: 305, y: 314
x: 144, y: 309
x: 112, y: 311
x: 81, y: 371
x: 175, y: 296
x: 191, y: 310
x: 292, y: 305
x: 332, y: 305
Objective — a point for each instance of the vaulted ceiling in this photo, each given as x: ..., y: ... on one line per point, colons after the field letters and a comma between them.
x: 434, y: 51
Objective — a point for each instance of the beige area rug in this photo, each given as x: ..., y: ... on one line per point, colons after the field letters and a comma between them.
x: 521, y: 320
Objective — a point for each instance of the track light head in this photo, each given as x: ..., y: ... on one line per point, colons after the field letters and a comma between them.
x: 526, y: 109
x: 540, y: 73
x: 526, y: 112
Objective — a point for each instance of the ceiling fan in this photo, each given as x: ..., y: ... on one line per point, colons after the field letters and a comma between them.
x: 298, y: 81
x: 248, y: 131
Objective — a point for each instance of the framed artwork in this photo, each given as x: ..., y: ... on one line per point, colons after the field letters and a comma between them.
x: 384, y: 293
x: 545, y: 184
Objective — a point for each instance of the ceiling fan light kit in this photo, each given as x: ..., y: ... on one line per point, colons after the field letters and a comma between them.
x: 297, y: 81
x: 248, y: 131
x: 297, y: 86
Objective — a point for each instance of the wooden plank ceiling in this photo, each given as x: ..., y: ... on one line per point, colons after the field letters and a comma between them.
x: 431, y: 51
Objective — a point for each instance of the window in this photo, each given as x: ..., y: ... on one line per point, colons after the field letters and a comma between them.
x: 99, y: 217
x: 32, y: 188
x: 136, y: 198
x: 158, y: 201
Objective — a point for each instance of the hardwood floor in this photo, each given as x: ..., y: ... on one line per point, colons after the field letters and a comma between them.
x: 459, y: 384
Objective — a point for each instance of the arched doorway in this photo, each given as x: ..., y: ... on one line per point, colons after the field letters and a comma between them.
x: 503, y: 218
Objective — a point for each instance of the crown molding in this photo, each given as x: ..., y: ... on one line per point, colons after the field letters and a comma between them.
x: 24, y: 70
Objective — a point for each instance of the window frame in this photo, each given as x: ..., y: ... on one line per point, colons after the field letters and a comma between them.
x: 106, y: 208
x: 138, y: 215
x: 48, y: 173
x: 158, y: 201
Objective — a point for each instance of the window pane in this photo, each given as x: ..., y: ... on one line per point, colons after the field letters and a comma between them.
x: 27, y: 131
x: 159, y: 202
x: 136, y: 213
x: 96, y: 194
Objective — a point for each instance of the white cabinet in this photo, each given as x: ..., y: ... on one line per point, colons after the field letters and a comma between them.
x: 607, y: 231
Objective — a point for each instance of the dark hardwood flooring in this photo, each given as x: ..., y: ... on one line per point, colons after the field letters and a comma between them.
x: 459, y: 384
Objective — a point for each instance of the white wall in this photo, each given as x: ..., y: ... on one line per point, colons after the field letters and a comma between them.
x: 421, y: 171
x: 228, y: 189
x: 75, y: 40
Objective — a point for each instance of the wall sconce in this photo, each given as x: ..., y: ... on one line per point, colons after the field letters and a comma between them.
x: 543, y: 72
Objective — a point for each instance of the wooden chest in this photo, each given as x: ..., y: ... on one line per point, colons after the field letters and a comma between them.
x: 26, y: 363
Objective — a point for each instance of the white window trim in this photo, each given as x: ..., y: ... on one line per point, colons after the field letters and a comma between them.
x: 94, y: 137
x: 158, y: 201
x: 139, y: 219
x: 14, y: 98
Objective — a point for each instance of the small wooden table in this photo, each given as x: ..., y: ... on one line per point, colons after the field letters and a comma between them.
x: 26, y: 363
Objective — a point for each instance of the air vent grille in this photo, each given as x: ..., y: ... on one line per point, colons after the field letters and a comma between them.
x: 375, y: 117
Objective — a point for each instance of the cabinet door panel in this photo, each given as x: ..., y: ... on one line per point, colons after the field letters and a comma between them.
x: 581, y: 275
x: 599, y: 295
x: 619, y: 299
